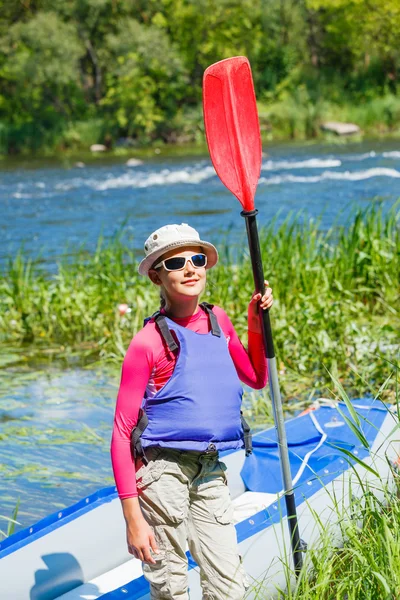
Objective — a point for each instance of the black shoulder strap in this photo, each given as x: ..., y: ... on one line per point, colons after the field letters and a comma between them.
x: 215, y: 328
x: 165, y: 331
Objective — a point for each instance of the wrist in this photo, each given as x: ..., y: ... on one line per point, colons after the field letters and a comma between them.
x: 131, y: 510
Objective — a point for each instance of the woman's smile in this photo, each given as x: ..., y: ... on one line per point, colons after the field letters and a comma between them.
x: 190, y: 281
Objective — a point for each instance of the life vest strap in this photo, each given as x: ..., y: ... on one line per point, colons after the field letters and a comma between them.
x: 248, y: 440
x: 215, y: 328
x: 165, y: 331
x: 136, y: 433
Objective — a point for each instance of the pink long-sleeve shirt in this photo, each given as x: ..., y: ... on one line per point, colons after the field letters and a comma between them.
x: 147, y: 367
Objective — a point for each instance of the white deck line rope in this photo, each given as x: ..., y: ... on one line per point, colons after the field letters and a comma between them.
x: 307, y: 456
x: 366, y: 407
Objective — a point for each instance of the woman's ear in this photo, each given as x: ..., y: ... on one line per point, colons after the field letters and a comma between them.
x: 154, y: 277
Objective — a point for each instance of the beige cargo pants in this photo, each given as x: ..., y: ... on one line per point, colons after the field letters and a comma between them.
x: 184, y: 496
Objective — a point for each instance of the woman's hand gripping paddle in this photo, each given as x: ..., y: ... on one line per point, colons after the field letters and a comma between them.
x: 233, y: 137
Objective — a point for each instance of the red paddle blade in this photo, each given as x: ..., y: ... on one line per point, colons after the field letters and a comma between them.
x: 232, y: 127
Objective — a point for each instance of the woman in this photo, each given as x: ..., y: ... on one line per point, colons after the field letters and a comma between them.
x: 183, y: 369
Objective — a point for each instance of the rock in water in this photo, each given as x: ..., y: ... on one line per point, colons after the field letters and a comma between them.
x: 340, y: 128
x: 98, y: 148
x: 133, y: 162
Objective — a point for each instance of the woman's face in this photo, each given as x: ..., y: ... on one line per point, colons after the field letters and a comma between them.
x: 179, y: 285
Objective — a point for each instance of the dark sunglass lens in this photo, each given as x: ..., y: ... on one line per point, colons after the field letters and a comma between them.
x: 199, y: 260
x: 175, y: 263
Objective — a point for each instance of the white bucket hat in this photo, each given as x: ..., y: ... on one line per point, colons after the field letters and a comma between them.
x: 174, y: 236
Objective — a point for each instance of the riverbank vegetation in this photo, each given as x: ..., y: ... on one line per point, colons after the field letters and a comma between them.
x: 336, y: 302
x: 129, y: 74
x: 367, y: 565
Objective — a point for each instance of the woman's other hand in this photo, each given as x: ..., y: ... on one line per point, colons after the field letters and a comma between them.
x: 265, y: 302
x: 139, y: 535
x: 141, y: 541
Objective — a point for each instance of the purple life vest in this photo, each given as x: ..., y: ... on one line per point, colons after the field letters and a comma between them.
x: 199, y: 406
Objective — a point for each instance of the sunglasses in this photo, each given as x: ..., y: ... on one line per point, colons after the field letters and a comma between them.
x: 177, y: 263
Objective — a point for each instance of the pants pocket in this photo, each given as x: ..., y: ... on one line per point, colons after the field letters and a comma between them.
x: 147, y: 474
x: 224, y: 512
x: 164, y: 493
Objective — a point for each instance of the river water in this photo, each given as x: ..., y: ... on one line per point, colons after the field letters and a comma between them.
x: 50, y: 211
x: 55, y: 425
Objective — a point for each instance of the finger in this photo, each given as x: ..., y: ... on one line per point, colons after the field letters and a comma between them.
x: 139, y: 554
x: 267, y: 288
x: 255, y: 298
x: 267, y: 302
x: 153, y: 544
x: 267, y: 305
x: 147, y: 557
x: 132, y: 550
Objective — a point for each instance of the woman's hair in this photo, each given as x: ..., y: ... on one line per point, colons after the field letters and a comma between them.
x: 162, y: 300
x: 162, y: 297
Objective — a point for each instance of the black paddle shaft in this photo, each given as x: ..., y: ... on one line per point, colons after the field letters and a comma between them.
x: 258, y: 274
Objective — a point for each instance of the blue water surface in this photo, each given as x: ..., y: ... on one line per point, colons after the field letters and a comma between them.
x: 55, y: 433
x: 53, y: 210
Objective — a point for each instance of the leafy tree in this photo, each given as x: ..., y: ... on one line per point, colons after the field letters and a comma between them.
x: 39, y: 75
x: 357, y: 33
x: 283, y: 43
x: 93, y: 21
x: 146, y: 80
x: 135, y: 67
x: 205, y: 31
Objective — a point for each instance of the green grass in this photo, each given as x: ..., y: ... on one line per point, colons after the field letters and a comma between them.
x: 366, y: 566
x: 336, y: 301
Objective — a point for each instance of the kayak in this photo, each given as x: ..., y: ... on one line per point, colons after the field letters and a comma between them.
x: 80, y: 552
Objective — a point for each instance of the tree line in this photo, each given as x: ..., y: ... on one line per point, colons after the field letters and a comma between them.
x: 73, y: 71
